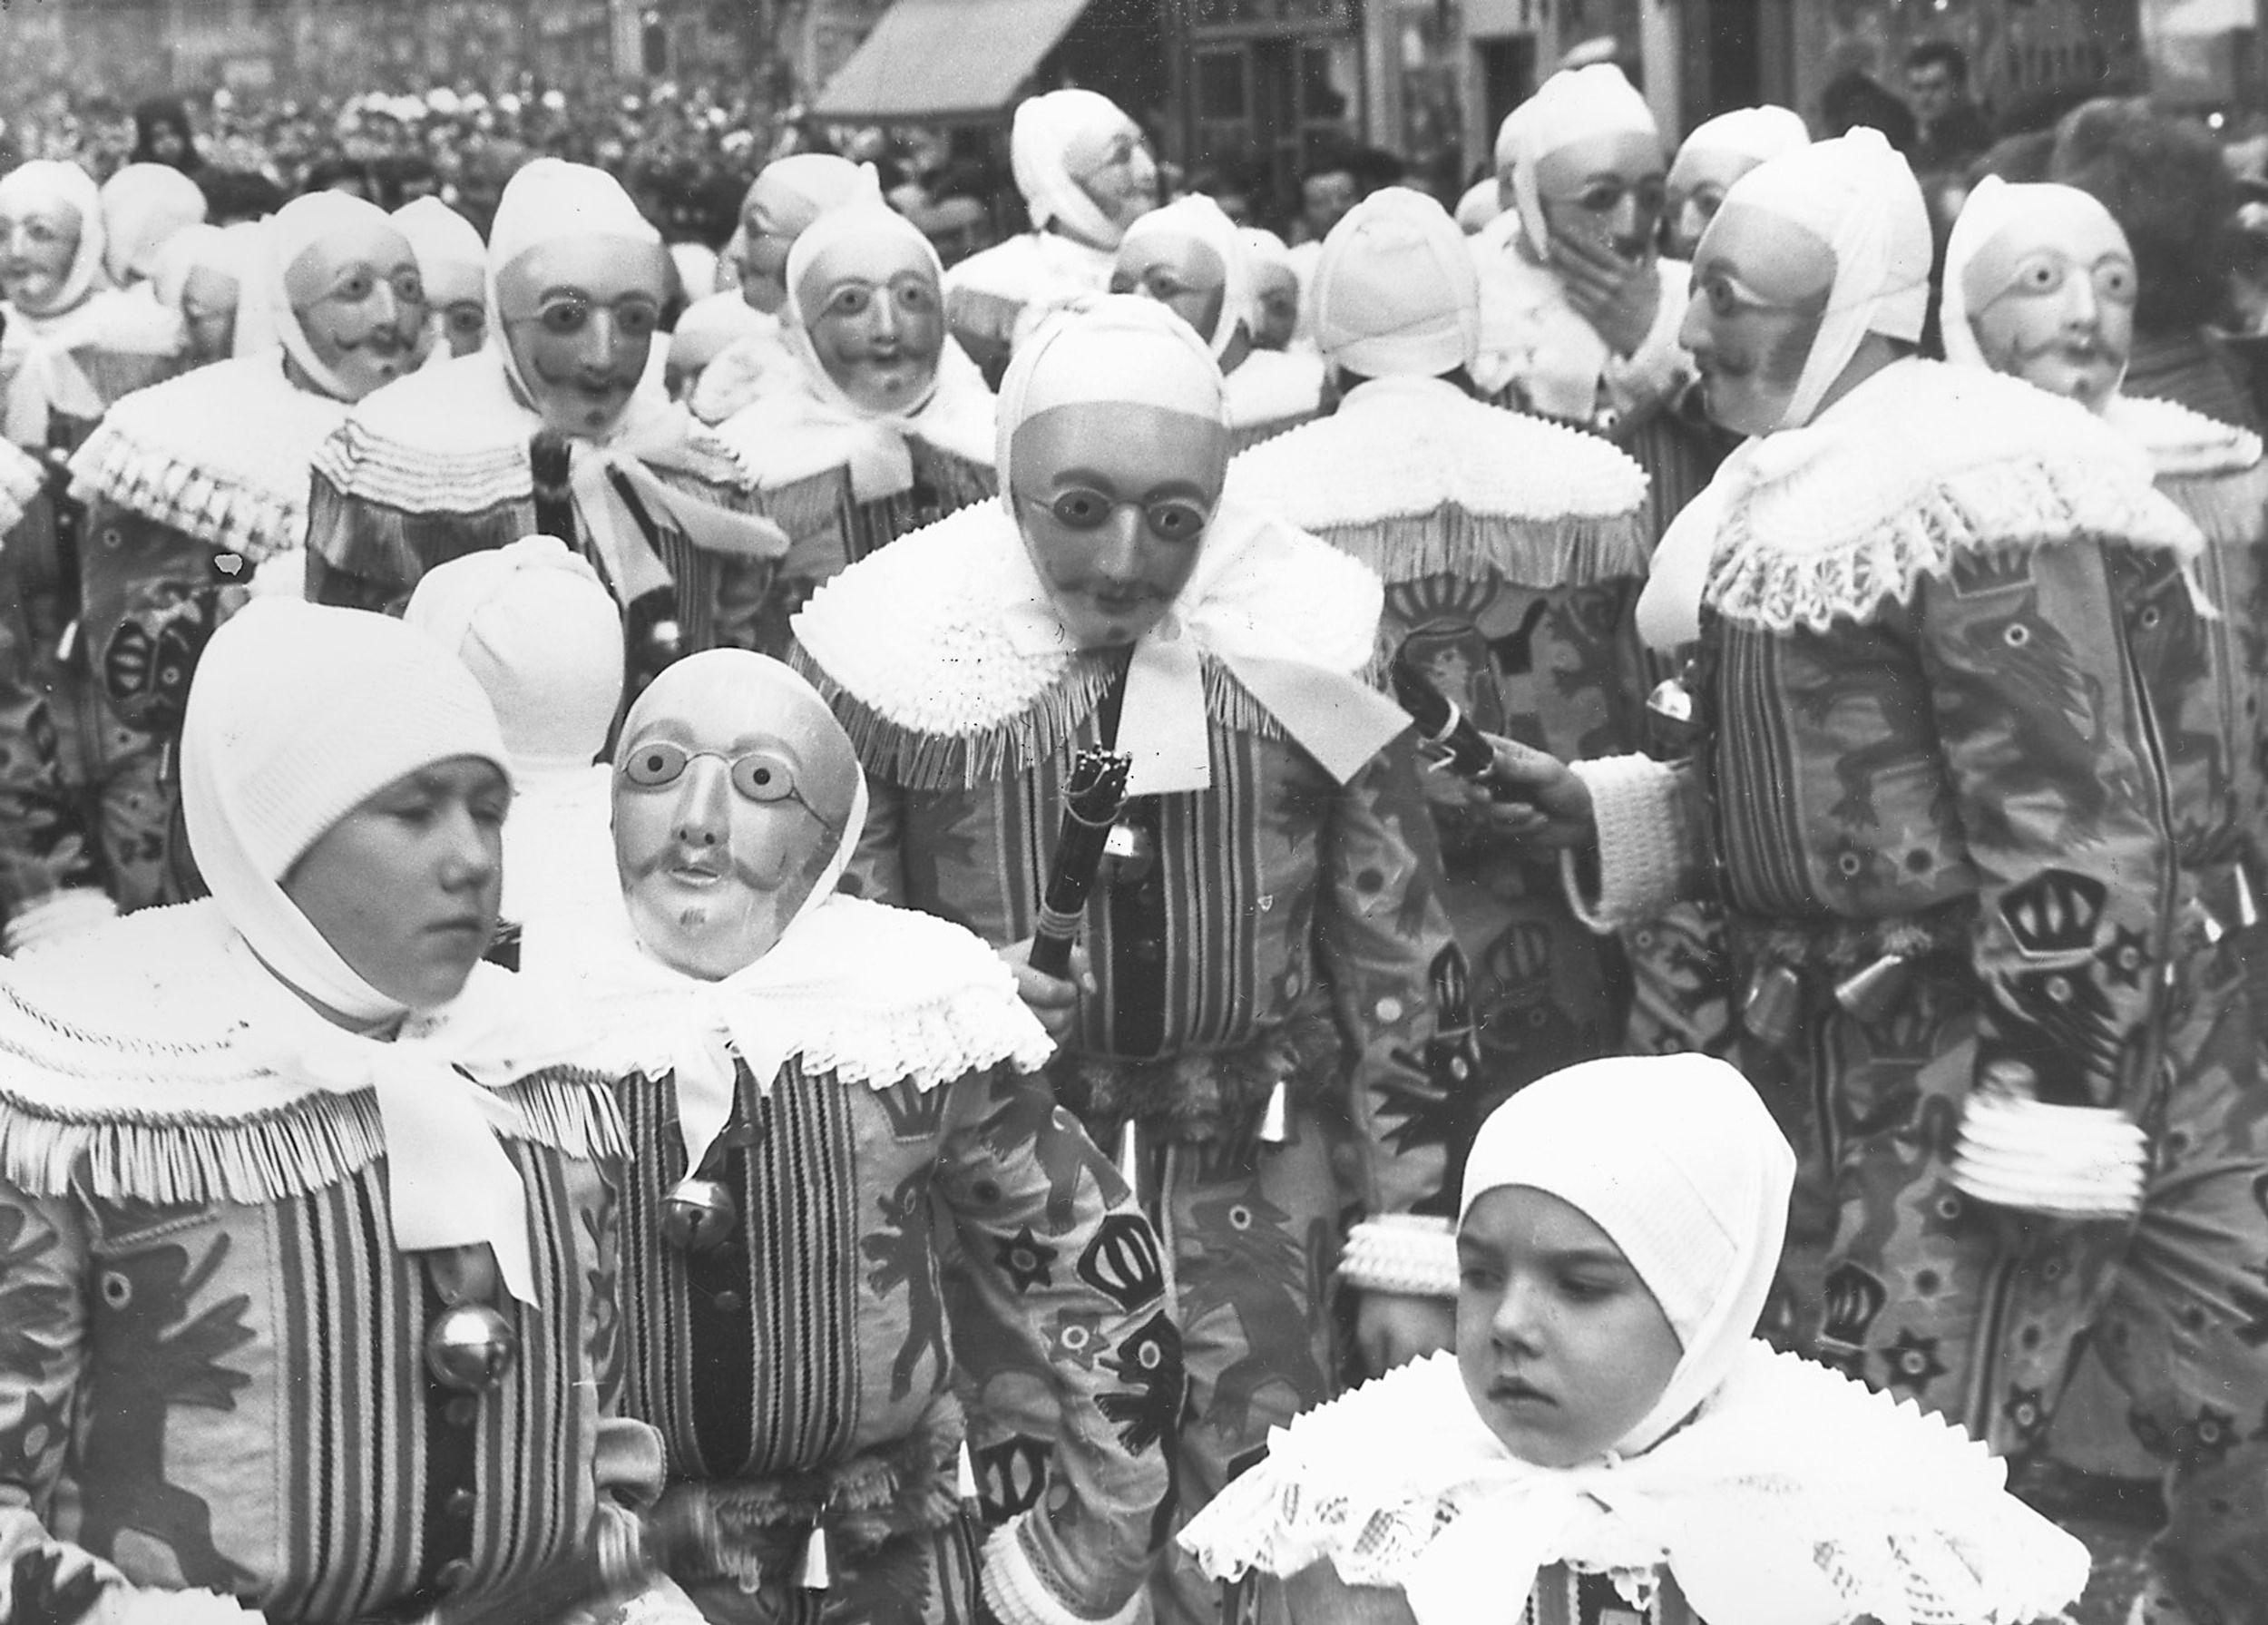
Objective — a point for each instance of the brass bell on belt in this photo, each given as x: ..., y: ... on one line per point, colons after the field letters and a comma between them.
x: 1774, y: 996
x: 697, y: 1215
x: 1276, y: 1122
x: 812, y: 1573
x: 1672, y: 716
x: 1129, y: 854
x: 470, y: 1346
x: 1868, y: 993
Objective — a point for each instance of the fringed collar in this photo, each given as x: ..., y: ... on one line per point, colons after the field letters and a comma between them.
x: 1416, y: 479
x: 1795, y: 1493
x: 220, y: 454
x: 455, y: 439
x: 20, y: 481
x: 138, y: 1063
x: 1921, y: 463
x: 2182, y: 444
x: 1034, y: 268
x: 871, y: 995
x: 917, y: 645
x: 797, y: 427
x: 1274, y: 387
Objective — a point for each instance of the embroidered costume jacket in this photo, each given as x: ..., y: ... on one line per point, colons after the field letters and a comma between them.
x: 438, y: 464
x: 211, y: 1371
x: 1291, y: 929
x: 801, y: 1372
x: 1928, y: 736
x: 1510, y: 550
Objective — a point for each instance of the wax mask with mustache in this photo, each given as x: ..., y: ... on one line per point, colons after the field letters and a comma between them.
x: 2051, y: 296
x: 1608, y: 191
x: 361, y: 303
x: 578, y: 316
x: 735, y: 791
x: 1760, y: 288
x: 38, y: 243
x: 1184, y: 275
x: 1113, y: 499
x: 875, y: 317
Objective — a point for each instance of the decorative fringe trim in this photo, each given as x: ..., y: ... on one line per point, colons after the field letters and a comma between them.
x: 2230, y: 507
x: 1245, y: 437
x: 959, y: 482
x: 311, y: 1143
x: 2182, y: 441
x: 1574, y: 550
x: 1015, y: 1591
x: 225, y: 513
x: 916, y: 761
x: 372, y: 541
x: 22, y: 480
x: 360, y: 462
x: 805, y: 507
x: 1412, y: 1254
x: 2015, y: 504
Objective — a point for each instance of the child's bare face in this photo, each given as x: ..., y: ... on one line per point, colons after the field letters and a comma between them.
x: 1563, y: 1347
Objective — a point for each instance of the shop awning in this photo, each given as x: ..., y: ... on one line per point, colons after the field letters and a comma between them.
x: 939, y: 61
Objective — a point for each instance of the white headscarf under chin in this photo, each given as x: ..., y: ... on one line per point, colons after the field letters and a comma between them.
x: 1199, y: 219
x: 1571, y: 106
x: 1046, y: 128
x: 1856, y: 195
x: 552, y: 201
x: 264, y: 312
x: 451, y: 257
x: 1677, y: 1161
x: 46, y: 182
x: 1993, y: 205
x: 145, y: 205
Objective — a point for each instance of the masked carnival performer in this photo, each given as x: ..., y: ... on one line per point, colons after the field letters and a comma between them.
x: 783, y: 200
x: 1188, y: 256
x: 1579, y: 311
x: 189, y: 488
x: 1268, y: 947
x: 199, y: 275
x: 1611, y: 1441
x: 1086, y: 175
x: 454, y: 262
x: 144, y: 207
x: 1511, y: 553
x: 2040, y: 284
x: 548, y: 430
x: 306, y: 1234
x: 1719, y: 152
x: 1928, y: 792
x: 840, y: 1093
x: 536, y: 628
x: 875, y: 397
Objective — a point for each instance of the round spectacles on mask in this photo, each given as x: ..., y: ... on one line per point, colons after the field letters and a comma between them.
x: 762, y: 776
x: 1168, y: 518
x: 635, y: 315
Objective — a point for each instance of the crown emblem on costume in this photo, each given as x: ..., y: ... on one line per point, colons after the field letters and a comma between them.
x: 1123, y: 1263
x: 1978, y: 571
x: 1521, y: 955
x: 1435, y: 598
x: 2055, y: 913
x: 915, y: 1113
x: 1855, y: 1298
x: 1012, y: 1473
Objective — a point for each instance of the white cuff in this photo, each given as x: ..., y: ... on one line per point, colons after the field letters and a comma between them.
x: 1411, y: 1254
x: 1015, y: 1591
x: 56, y: 918
x: 1636, y: 805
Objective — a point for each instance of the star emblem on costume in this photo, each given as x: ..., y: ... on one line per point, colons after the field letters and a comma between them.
x: 1913, y: 1363
x: 1075, y: 1339
x: 2208, y: 1436
x: 1028, y: 1261
x: 2126, y: 957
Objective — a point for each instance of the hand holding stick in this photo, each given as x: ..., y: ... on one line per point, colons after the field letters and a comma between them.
x: 1092, y: 800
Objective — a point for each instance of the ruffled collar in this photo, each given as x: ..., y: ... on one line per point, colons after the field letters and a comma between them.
x: 220, y: 454
x: 737, y: 374
x: 1421, y: 443
x: 2182, y: 443
x: 1920, y: 464
x: 39, y: 356
x: 1036, y: 268
x: 156, y: 1059
x: 1272, y: 386
x: 872, y: 995
x: 949, y: 635
x: 1794, y: 1495
x: 799, y: 425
